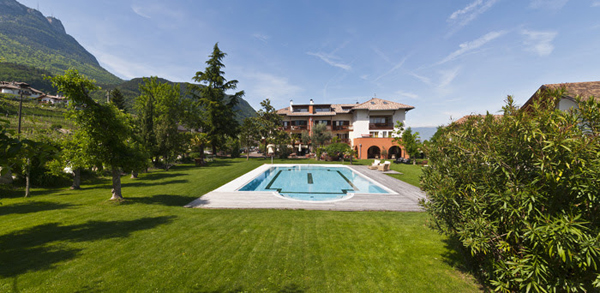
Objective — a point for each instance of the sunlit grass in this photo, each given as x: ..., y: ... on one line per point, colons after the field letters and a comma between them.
x: 73, y: 241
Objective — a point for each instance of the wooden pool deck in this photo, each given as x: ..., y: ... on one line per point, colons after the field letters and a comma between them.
x: 405, y: 198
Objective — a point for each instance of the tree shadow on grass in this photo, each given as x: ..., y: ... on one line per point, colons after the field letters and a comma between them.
x: 154, y: 183
x: 31, y: 207
x: 459, y: 258
x: 159, y: 175
x: 290, y: 288
x: 41, y: 247
x: 163, y: 199
x: 11, y: 191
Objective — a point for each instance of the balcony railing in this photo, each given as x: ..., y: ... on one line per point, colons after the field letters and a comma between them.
x: 299, y: 127
x: 380, y: 126
x: 342, y: 127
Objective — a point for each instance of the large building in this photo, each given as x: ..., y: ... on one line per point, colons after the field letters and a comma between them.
x: 369, y: 127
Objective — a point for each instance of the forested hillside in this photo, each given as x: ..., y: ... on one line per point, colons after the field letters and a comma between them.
x: 130, y: 89
x: 29, y: 38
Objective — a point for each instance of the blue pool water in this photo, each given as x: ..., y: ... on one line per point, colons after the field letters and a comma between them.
x: 312, y: 183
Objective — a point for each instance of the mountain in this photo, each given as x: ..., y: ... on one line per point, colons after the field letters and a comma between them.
x: 130, y: 90
x: 29, y: 38
x: 425, y: 133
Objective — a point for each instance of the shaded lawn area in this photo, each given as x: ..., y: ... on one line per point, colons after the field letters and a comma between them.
x: 73, y: 241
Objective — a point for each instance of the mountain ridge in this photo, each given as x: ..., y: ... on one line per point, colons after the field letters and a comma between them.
x: 27, y: 37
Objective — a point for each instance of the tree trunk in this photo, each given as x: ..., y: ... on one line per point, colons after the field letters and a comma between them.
x: 27, y: 178
x: 248, y: 154
x: 134, y: 174
x: 116, y: 184
x: 76, y: 178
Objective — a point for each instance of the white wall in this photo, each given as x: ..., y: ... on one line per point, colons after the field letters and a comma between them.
x: 360, y: 123
x: 400, y: 115
x: 566, y: 104
x: 10, y: 91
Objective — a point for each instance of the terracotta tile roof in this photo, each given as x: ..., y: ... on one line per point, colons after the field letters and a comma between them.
x: 372, y: 104
x: 379, y: 104
x: 582, y: 89
x: 572, y: 90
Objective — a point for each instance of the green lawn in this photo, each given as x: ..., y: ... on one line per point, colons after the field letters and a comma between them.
x: 78, y: 241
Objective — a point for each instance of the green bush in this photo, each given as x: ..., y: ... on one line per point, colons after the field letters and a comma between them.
x: 522, y: 193
x: 283, y: 151
x: 336, y: 150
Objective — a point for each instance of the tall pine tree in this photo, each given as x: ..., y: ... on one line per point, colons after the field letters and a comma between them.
x: 219, y: 116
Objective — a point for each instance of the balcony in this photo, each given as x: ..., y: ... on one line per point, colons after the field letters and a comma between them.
x: 342, y: 127
x: 299, y: 127
x: 381, y: 126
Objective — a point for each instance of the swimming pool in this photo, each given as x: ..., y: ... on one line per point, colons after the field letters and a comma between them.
x: 312, y: 183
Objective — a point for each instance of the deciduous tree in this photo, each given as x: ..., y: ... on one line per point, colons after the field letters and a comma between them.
x: 159, y: 112
x: 410, y: 140
x: 102, y: 132
x: 269, y: 125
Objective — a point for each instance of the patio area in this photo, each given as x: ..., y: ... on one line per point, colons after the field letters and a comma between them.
x: 405, y: 197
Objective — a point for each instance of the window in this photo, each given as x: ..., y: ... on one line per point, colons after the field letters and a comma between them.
x: 384, y: 134
x: 298, y: 109
x: 323, y: 109
x: 374, y: 133
x: 379, y: 120
x: 299, y: 122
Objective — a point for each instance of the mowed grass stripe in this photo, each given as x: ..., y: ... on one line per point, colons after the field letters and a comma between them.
x: 79, y: 241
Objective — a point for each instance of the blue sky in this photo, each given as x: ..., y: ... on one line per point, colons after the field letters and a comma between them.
x: 446, y: 58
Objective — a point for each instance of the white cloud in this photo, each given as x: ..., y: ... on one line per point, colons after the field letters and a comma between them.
x: 139, y: 11
x: 381, y: 54
x: 158, y: 11
x: 423, y: 79
x: 539, y: 42
x: 330, y: 59
x: 261, y: 37
x: 548, y: 4
x: 259, y: 86
x: 122, y: 67
x: 596, y: 4
x: 462, y: 17
x: 398, y: 65
x: 472, y: 45
x: 447, y: 76
x: 407, y: 95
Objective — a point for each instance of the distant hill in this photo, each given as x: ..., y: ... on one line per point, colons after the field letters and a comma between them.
x: 425, y: 133
x: 130, y: 89
x: 29, y: 38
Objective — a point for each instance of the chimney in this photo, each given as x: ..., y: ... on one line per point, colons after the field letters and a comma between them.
x: 291, y: 105
x: 311, y: 107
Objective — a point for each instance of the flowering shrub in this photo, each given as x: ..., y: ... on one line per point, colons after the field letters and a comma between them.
x: 521, y: 191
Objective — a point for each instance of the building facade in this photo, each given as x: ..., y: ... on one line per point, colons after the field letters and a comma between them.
x: 369, y: 128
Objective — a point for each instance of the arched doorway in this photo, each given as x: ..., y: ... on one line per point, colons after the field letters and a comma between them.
x: 373, y: 152
x: 395, y: 151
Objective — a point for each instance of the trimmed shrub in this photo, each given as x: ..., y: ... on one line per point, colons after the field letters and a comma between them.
x: 336, y: 150
x: 521, y: 192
